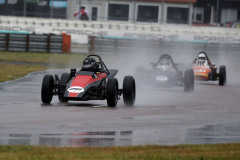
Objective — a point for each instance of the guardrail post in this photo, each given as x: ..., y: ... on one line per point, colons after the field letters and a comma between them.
x: 7, y: 41
x: 92, y: 44
x: 48, y: 42
x: 27, y: 43
x: 115, y: 46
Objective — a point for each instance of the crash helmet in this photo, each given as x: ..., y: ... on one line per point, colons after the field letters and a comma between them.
x: 165, y: 61
x: 202, y: 56
x: 89, y: 64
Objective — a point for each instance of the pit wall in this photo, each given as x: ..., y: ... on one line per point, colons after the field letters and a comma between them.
x: 80, y: 30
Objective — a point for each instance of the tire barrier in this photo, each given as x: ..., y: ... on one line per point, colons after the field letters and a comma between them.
x: 25, y: 42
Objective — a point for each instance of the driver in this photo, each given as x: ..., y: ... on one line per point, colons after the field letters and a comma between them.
x: 202, y: 60
x: 89, y: 64
x: 164, y: 63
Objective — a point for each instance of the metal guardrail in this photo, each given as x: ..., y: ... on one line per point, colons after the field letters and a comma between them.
x: 129, y: 45
x: 31, y: 42
x: 121, y: 45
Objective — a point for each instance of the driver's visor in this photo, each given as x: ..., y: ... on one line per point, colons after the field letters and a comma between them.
x: 88, y: 65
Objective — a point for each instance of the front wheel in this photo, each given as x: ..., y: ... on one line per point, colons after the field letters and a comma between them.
x: 112, y: 92
x: 47, y: 89
x: 129, y: 90
x: 188, y: 80
x: 222, y: 75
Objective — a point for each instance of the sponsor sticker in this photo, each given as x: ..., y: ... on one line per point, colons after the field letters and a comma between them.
x: 75, y: 89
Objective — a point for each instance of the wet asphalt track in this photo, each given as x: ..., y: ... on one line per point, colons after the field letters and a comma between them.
x: 162, y: 116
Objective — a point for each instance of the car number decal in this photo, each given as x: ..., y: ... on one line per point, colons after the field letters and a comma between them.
x: 161, y: 78
x: 75, y: 89
x: 200, y: 70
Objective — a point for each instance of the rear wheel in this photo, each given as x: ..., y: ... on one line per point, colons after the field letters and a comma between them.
x: 222, y: 75
x: 112, y: 92
x: 188, y: 80
x: 47, y: 89
x: 65, y: 77
x: 129, y: 90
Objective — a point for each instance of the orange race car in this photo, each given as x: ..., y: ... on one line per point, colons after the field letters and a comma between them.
x: 205, y: 70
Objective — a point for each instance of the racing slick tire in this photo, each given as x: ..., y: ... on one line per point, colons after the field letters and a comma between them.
x: 47, y: 89
x: 188, y: 80
x: 129, y: 90
x: 112, y: 92
x: 65, y: 77
x: 222, y: 75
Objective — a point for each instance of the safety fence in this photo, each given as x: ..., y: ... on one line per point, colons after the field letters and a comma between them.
x: 24, y: 42
x: 116, y: 45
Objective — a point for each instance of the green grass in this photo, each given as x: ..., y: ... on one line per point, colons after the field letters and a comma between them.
x: 10, y: 71
x: 51, y: 58
x: 14, y: 65
x: 179, y: 152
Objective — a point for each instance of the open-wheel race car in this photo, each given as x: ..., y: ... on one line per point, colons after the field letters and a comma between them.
x: 94, y: 81
x: 165, y: 73
x: 205, y: 70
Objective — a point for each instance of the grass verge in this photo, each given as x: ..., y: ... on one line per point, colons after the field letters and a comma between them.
x: 14, y: 65
x: 50, y: 58
x: 179, y: 152
x: 10, y: 71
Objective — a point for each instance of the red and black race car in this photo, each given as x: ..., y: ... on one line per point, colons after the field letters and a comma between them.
x: 93, y: 82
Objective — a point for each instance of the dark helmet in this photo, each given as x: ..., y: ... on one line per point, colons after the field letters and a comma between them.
x: 165, y: 61
x: 89, y: 64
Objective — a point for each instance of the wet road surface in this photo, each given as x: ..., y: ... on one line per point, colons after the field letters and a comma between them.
x: 163, y: 116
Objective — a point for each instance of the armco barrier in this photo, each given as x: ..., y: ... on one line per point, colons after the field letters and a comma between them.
x: 110, y: 44
x: 24, y: 42
x: 120, y: 44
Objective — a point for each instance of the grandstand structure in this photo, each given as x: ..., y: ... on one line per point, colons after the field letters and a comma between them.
x: 188, y: 12
x: 137, y: 11
x: 81, y: 30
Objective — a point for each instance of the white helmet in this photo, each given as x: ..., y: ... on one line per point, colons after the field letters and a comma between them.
x: 201, y: 56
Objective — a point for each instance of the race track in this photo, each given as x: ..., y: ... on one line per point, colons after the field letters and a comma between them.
x: 162, y: 116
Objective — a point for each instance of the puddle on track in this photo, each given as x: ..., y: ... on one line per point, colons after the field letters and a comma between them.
x: 209, y: 134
